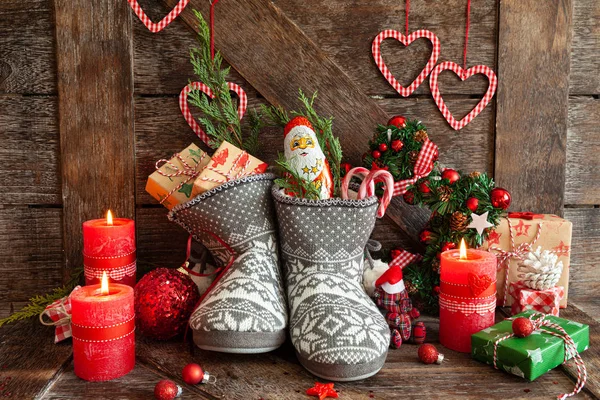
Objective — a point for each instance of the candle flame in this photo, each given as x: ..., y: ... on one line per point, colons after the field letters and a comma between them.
x: 104, y: 285
x: 463, y: 249
x: 109, y: 218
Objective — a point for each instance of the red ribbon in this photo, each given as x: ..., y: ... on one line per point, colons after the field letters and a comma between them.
x: 102, y: 333
x: 464, y: 291
x: 213, y: 3
x: 525, y: 215
x: 109, y: 262
x: 423, y: 167
x: 402, y: 258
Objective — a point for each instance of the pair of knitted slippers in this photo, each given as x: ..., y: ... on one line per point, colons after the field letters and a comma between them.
x: 337, y: 331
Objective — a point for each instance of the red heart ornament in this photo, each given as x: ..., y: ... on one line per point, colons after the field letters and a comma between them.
x: 479, y: 283
x: 157, y: 27
x: 463, y: 75
x: 405, y: 40
x: 185, y: 110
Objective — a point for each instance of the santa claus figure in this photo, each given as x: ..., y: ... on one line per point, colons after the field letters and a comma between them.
x: 391, y: 296
x: 303, y: 153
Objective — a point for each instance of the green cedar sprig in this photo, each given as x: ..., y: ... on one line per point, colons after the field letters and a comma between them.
x: 295, y: 183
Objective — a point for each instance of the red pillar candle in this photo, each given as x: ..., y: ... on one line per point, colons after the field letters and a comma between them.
x: 109, y: 245
x: 103, y: 328
x: 467, y: 296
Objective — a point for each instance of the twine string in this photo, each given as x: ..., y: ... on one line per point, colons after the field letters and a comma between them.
x: 213, y: 3
x: 188, y: 170
x: 467, y: 34
x: 406, y: 12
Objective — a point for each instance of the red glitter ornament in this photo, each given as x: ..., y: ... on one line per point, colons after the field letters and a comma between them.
x: 166, y: 390
x: 398, y: 121
x: 409, y: 197
x: 424, y: 187
x: 472, y: 203
x: 428, y: 354
x: 376, y: 154
x: 383, y: 147
x: 500, y: 198
x: 322, y: 391
x: 164, y: 300
x: 397, y: 145
x: 522, y: 327
x: 425, y: 236
x: 193, y: 374
x: 448, y: 246
x: 451, y: 175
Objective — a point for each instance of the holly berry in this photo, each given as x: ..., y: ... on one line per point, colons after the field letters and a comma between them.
x: 397, y: 145
x: 383, y: 147
x: 500, y: 198
x: 448, y: 246
x: 425, y: 236
x: 398, y: 121
x: 424, y: 187
x: 192, y: 374
x: 472, y: 203
x: 409, y: 197
x: 428, y: 354
x: 436, y: 289
x: 166, y: 390
x: 376, y: 154
x: 522, y: 327
x: 451, y: 175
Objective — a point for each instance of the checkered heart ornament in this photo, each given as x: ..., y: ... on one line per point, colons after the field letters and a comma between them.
x: 163, y: 23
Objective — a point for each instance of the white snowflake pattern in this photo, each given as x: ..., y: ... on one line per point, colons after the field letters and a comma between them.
x: 536, y: 356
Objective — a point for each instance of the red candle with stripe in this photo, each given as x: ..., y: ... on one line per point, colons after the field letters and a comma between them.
x: 103, y: 325
x: 467, y: 296
x: 109, y: 245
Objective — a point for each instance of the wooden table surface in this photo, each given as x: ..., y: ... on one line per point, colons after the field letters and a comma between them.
x: 31, y: 366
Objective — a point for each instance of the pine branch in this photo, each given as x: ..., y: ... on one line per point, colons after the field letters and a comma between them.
x: 275, y: 115
x: 295, y: 184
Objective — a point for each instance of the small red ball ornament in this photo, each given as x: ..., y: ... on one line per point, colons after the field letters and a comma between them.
x: 522, y: 327
x: 424, y: 187
x: 448, y: 246
x: 409, y: 197
x: 397, y: 145
x: 166, y: 390
x: 383, y: 147
x: 472, y: 204
x: 451, y: 175
x: 193, y: 374
x: 500, y: 198
x: 428, y: 354
x: 436, y: 289
x: 398, y: 121
x: 376, y: 154
x: 425, y: 236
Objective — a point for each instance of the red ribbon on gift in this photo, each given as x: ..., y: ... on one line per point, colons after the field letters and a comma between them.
x: 423, y: 167
x: 525, y: 215
x: 103, y: 333
x: 188, y: 170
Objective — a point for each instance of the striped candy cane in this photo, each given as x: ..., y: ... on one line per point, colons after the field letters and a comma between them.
x: 379, y: 176
x: 357, y: 171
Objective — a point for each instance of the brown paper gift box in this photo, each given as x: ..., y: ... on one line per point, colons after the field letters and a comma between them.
x: 555, y: 235
x: 181, y: 182
x: 228, y: 163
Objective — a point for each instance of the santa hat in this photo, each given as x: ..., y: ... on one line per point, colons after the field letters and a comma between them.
x: 294, y: 122
x: 391, y: 280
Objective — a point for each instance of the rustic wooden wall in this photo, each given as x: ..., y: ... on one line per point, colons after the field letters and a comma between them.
x: 39, y: 245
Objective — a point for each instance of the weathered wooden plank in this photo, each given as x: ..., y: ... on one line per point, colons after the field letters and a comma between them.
x: 531, y: 122
x: 27, y: 63
x: 95, y: 84
x: 30, y: 253
x: 585, y: 63
x: 345, y: 31
x: 29, y: 158
x: 583, y: 146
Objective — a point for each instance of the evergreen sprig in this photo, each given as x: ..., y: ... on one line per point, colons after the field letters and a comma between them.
x: 292, y: 182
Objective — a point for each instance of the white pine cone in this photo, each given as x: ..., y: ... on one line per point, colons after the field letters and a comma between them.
x: 540, y: 269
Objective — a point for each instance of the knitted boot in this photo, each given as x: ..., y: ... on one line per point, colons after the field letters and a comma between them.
x: 336, y: 329
x: 245, y: 310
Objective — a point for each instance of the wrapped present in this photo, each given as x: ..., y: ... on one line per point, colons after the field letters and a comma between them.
x: 228, y: 163
x: 553, y: 341
x: 173, y: 180
x: 544, y: 301
x: 522, y: 233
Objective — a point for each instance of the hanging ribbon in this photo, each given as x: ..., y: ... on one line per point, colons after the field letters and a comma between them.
x: 467, y: 34
x: 406, y: 11
x: 423, y: 167
x: 213, y: 3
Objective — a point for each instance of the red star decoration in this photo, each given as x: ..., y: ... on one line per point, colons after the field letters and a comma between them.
x: 494, y: 238
x: 522, y: 229
x: 322, y: 390
x: 562, y: 249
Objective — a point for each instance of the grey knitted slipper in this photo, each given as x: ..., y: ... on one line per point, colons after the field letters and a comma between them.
x: 336, y: 329
x: 245, y: 310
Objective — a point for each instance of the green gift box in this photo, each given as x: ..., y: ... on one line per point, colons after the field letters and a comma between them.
x: 532, y: 356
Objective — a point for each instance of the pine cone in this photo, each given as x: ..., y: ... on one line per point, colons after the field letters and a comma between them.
x: 475, y: 174
x: 421, y: 136
x: 435, y: 265
x: 413, y: 156
x: 444, y: 193
x: 410, y: 288
x: 458, y: 222
x: 540, y: 270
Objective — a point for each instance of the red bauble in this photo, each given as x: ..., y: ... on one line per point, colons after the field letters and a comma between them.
x: 409, y: 197
x: 425, y: 236
x: 500, y: 198
x: 428, y: 354
x: 472, y: 204
x: 424, y: 187
x: 451, y: 175
x: 448, y: 246
x: 397, y: 145
x: 436, y: 289
x: 164, y: 301
x: 522, y: 327
x: 383, y: 147
x: 398, y: 121
x: 192, y: 374
x: 166, y: 390
x: 376, y: 154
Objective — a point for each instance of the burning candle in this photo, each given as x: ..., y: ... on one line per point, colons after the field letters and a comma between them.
x: 467, y: 295
x: 109, y: 245
x: 102, y: 325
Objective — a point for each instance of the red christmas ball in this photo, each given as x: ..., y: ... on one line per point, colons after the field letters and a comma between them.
x: 425, y: 236
x: 522, y: 327
x: 376, y: 154
x: 472, y: 204
x: 436, y: 289
x: 383, y: 147
x: 166, y: 390
x: 448, y: 246
x: 397, y: 145
x: 500, y: 198
x: 192, y: 374
x: 398, y: 121
x: 451, y: 175
x: 424, y: 187
x: 428, y: 354
x: 164, y: 300
x: 409, y: 197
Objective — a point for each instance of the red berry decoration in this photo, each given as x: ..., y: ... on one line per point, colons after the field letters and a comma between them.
x: 409, y: 197
x: 451, y: 175
x: 383, y: 147
x: 397, y: 145
x: 436, y: 289
x: 376, y: 154
x: 428, y: 354
x: 424, y: 187
x: 500, y: 198
x: 448, y: 246
x: 166, y: 390
x: 472, y: 204
x: 425, y: 236
x: 398, y: 121
x: 522, y: 327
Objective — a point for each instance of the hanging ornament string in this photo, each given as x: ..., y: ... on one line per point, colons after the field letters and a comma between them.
x: 213, y: 3
x: 467, y: 34
x: 406, y: 11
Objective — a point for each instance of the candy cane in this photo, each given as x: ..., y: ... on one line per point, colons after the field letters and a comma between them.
x: 357, y: 171
x: 388, y: 180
